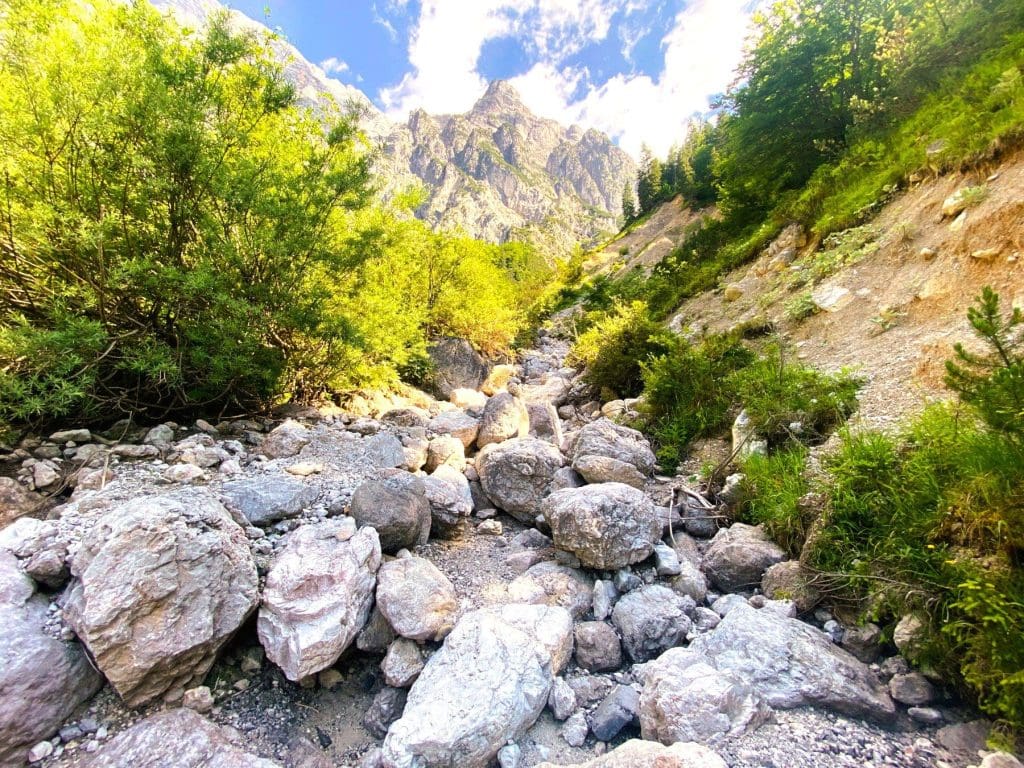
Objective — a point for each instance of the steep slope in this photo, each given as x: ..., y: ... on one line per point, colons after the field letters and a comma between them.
x: 497, y: 172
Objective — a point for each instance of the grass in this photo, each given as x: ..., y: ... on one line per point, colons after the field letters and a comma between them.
x: 775, y: 486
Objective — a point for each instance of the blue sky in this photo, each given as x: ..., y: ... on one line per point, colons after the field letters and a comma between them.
x: 636, y: 69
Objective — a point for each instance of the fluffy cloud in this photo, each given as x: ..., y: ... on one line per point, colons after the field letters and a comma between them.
x: 334, y: 66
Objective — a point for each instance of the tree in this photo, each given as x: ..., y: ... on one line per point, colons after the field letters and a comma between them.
x: 629, y: 208
x: 649, y: 189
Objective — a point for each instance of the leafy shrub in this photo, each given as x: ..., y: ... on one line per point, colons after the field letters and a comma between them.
x: 775, y: 485
x: 800, y: 307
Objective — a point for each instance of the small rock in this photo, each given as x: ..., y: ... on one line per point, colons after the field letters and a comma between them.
x: 604, y: 599
x: 666, y: 561
x: 965, y: 738
x: 597, y: 647
x: 40, y: 751
x: 912, y: 689
x: 618, y: 710
x: 402, y: 664
x: 386, y: 708
x: 510, y: 756
x: 329, y: 678
x: 1000, y: 760
x: 863, y: 642
x: 562, y: 699
x: 199, y: 698
x: 304, y: 469
x: 575, y: 730
x: 490, y: 528
x: 925, y: 715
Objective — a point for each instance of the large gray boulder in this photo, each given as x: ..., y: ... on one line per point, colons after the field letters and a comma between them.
x: 40, y: 547
x: 456, y: 366
x: 518, y: 474
x: 607, y: 526
x: 647, y: 754
x: 456, y: 423
x: 790, y: 664
x: 651, y: 620
x: 265, y: 499
x: 16, y: 501
x: 485, y: 687
x: 418, y: 600
x: 687, y: 701
x: 318, y: 595
x: 739, y: 556
x: 451, y: 502
x: 160, y: 584
x: 505, y: 416
x: 396, y: 506
x: 286, y: 440
x: 42, y: 679
x: 549, y: 583
x: 176, y: 738
x: 607, y: 439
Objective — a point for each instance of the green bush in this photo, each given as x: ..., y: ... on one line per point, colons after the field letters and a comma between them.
x: 775, y: 485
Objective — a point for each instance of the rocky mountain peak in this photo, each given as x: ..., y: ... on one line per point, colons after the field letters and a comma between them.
x: 500, y: 98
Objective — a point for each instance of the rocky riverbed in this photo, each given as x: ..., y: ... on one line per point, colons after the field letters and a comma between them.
x: 498, y: 577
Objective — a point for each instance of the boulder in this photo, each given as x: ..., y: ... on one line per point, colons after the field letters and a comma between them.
x: 687, y: 701
x: 613, y: 441
x: 789, y: 581
x: 544, y: 422
x: 451, y: 502
x: 445, y: 450
x: 382, y: 451
x: 652, y: 620
x: 386, y: 707
x: 483, y: 689
x: 16, y: 501
x: 498, y: 379
x: 264, y: 499
x: 176, y: 738
x: 456, y: 366
x: 518, y: 474
x: 646, y: 754
x: 160, y: 584
x: 791, y: 664
x: 41, y: 549
x: 285, y: 440
x: 406, y: 417
x: 619, y: 709
x: 468, y: 399
x: 418, y: 600
x: 318, y: 595
x: 504, y: 417
x: 43, y: 680
x: 739, y: 556
x: 607, y: 526
x: 402, y: 664
x: 602, y: 469
x: 549, y: 583
x: 396, y: 506
x: 597, y: 647
x: 458, y: 424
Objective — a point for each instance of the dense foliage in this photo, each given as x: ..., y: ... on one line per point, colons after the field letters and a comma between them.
x: 178, y: 235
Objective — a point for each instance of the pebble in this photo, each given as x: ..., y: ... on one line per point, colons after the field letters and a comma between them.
x: 40, y: 751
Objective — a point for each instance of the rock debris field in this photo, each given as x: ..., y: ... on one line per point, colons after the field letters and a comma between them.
x: 499, y: 577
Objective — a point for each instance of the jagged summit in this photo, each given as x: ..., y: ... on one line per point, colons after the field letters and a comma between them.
x: 500, y: 96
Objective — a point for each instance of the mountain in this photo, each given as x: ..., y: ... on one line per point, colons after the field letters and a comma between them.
x: 497, y: 172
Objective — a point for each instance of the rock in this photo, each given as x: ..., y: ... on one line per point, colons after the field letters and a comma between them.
x: 387, y: 707
x: 651, y: 620
x: 329, y: 678
x: 561, y: 700
x: 468, y: 399
x: 646, y: 754
x: 16, y: 501
x: 377, y: 635
x: 504, y: 418
x: 683, y: 700
x: 199, y: 699
x: 965, y: 738
x: 705, y: 619
x: 415, y: 454
x: 956, y: 203
x: 791, y: 664
x: 910, y: 633
x: 40, y: 752
x: 161, y: 436
x: 607, y: 526
x: 613, y: 441
x: 160, y: 584
x: 912, y: 689
x: 575, y: 730
x: 373, y: 758
x: 831, y: 298
x: 788, y: 581
x: 264, y: 499
x: 1000, y: 760
x: 456, y: 366
x: 304, y: 469
x: 403, y: 663
x: 733, y: 292
x: 549, y: 583
x: 445, y: 450
x: 285, y: 440
x: 451, y: 502
x: 618, y: 710
x: 498, y: 379
x: 418, y: 601
x: 517, y: 475
x: 601, y: 469
x: 544, y: 423
x: 605, y: 595
x: 490, y: 528
x: 382, y: 451
x: 42, y: 679
x: 40, y: 548
x: 863, y: 642
x: 925, y: 715
x: 396, y: 506
x: 457, y: 424
x: 739, y: 556
x: 597, y: 647
x: 699, y: 522
x: 318, y: 595
x: 186, y: 474
x: 666, y: 561
x: 483, y: 689
x: 406, y: 417
x: 626, y: 581
x: 567, y: 477
x: 177, y: 738
x: 690, y: 582
x: 44, y: 474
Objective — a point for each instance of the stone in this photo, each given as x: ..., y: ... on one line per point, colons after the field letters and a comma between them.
x: 199, y: 698
x: 318, y: 595
x: 44, y: 474
x: 690, y: 582
x: 377, y: 635
x: 285, y: 440
x: 544, y: 422
x: 490, y: 528
x: 457, y: 424
x: 549, y: 583
x: 456, y: 366
x: 185, y: 474
x: 791, y: 664
x: 683, y: 700
x: 304, y: 469
x: 597, y: 647
x: 625, y: 581
x: 418, y: 601
x: 864, y: 642
x: 16, y: 501
x: 445, y: 450
x: 956, y: 203
x: 912, y: 689
x: 567, y: 477
x: 396, y: 506
x: 451, y: 502
x: 607, y: 526
x: 925, y: 715
x: 601, y: 469
x: 605, y: 595
x: 618, y: 710
x: 498, y: 379
x: 402, y: 664
x: 40, y: 752
x: 43, y: 680
x: 40, y: 548
x: 789, y: 581
x: 160, y: 584
x: 651, y: 620
x: 161, y: 436
x: 410, y: 418
x: 517, y: 475
x: 483, y: 689
x: 265, y: 499
x: 386, y: 707
x: 613, y: 441
x: 179, y: 738
x: 575, y: 730
x: 1000, y: 760
x: 647, y: 754
x: 666, y: 561
x: 510, y: 756
x: 733, y: 292
x: 329, y: 678
x: 965, y: 738
x: 698, y: 521
x: 909, y: 634
x: 739, y: 556
x: 468, y: 399
x: 705, y: 619
x: 561, y: 700
x: 504, y: 418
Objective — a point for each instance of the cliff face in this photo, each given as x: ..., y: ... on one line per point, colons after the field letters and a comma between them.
x: 496, y: 173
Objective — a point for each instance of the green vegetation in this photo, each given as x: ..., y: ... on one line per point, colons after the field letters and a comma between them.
x: 776, y: 485
x: 177, y: 235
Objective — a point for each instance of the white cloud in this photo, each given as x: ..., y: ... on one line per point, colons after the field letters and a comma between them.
x: 334, y: 66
